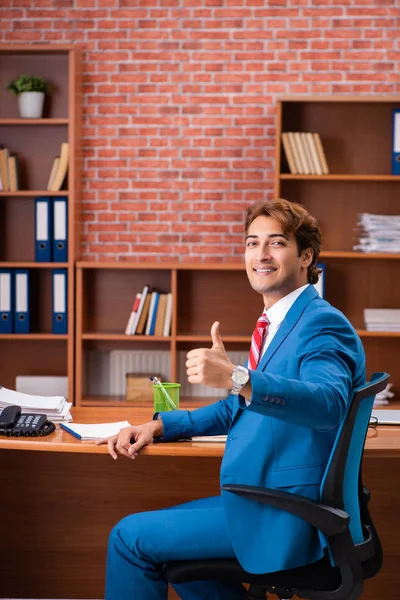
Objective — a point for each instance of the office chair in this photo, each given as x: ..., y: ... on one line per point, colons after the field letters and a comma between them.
x: 354, y: 549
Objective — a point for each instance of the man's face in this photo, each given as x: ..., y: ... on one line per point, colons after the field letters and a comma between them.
x: 273, y: 265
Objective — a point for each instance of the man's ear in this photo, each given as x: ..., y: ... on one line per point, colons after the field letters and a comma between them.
x: 307, y: 257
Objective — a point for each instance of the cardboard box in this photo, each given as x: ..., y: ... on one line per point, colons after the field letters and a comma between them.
x: 139, y: 388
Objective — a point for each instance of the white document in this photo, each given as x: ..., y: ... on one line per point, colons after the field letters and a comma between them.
x: 94, y: 431
x: 46, y: 403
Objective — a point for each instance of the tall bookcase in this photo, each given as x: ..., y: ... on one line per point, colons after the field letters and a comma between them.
x: 36, y: 142
x: 356, y: 134
x: 202, y: 294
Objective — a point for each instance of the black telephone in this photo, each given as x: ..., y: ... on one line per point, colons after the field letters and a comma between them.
x: 12, y: 422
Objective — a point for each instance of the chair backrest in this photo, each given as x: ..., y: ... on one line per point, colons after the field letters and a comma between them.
x: 341, y: 486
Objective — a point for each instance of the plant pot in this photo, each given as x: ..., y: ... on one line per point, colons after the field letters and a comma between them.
x: 30, y: 105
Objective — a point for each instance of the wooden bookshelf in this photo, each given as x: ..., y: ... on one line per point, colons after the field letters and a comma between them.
x: 202, y: 294
x: 36, y: 142
x: 356, y: 134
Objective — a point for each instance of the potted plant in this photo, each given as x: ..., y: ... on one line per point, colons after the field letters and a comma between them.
x: 30, y: 91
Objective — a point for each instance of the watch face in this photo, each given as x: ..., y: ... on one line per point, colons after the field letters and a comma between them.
x: 240, y: 375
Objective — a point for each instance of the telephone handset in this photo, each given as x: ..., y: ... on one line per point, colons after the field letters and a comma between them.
x: 12, y: 422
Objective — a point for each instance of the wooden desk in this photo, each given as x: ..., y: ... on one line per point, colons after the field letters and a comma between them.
x: 60, y: 499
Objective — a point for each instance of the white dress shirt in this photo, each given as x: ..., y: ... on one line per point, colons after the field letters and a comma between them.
x: 275, y: 316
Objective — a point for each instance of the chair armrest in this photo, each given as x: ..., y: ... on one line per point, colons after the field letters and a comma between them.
x: 331, y: 521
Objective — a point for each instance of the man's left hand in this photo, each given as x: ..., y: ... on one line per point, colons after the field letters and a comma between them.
x: 210, y: 366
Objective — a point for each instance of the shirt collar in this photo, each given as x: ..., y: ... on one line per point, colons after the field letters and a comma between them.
x: 278, y: 311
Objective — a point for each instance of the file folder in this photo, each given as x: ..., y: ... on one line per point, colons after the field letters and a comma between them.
x: 396, y: 142
x: 6, y: 301
x: 60, y: 225
x: 42, y: 229
x: 21, y: 301
x: 59, y: 321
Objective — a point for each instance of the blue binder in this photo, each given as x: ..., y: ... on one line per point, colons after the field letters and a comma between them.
x: 396, y: 142
x: 60, y: 229
x: 22, y: 319
x: 59, y: 301
x: 42, y: 229
x: 320, y: 285
x: 6, y: 301
x: 154, y: 315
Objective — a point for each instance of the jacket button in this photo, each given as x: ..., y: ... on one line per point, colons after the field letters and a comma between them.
x: 270, y: 399
x: 277, y: 400
x: 264, y: 398
x: 282, y: 401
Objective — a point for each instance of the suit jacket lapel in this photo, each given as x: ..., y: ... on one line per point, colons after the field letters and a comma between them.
x: 292, y: 317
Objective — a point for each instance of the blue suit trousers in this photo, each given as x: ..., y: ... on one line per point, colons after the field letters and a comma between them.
x: 142, y: 543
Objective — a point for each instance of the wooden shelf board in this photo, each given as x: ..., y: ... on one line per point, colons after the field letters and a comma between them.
x: 33, y: 336
x: 365, y: 333
x: 340, y: 177
x: 33, y: 193
x: 34, y: 122
x: 121, y: 337
x: 361, y: 255
x: 207, y: 339
x: 341, y: 98
x: 161, y: 266
x: 32, y: 265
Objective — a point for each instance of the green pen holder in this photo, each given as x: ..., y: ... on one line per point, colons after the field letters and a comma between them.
x: 161, y: 403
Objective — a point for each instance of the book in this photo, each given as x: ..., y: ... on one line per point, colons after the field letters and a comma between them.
x: 307, y: 153
x: 162, y: 307
x: 321, y: 154
x: 94, y: 431
x: 168, y: 316
x: 62, y: 169
x: 151, y: 319
x: 288, y: 153
x: 295, y: 153
x: 301, y: 152
x: 13, y: 173
x: 53, y: 171
x: 145, y: 293
x: 132, y: 315
x: 4, y: 154
x: 209, y: 438
x: 317, y: 169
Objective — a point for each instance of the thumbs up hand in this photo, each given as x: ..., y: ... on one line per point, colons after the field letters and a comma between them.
x: 210, y: 366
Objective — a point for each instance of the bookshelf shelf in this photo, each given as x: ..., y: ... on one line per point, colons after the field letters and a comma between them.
x: 27, y: 122
x: 35, y: 143
x: 32, y: 193
x: 360, y: 255
x: 338, y: 177
x: 32, y: 265
x: 42, y: 337
x: 206, y: 339
x: 118, y: 337
x: 356, y: 134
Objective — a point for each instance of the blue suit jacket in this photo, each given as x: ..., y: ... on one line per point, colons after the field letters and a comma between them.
x: 283, y: 439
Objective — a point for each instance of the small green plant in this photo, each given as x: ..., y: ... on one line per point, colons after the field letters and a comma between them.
x: 28, y: 83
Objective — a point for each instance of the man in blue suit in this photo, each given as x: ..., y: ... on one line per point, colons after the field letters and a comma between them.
x: 281, y: 419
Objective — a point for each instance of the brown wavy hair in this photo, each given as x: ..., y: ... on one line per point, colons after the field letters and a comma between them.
x: 295, y: 219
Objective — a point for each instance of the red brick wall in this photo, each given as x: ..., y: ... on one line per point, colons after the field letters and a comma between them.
x: 179, y: 115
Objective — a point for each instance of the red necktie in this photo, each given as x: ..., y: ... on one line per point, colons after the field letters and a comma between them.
x: 257, y: 340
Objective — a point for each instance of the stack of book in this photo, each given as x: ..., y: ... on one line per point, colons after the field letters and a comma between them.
x: 151, y: 314
x: 56, y: 408
x: 8, y: 171
x: 382, y: 319
x: 304, y: 153
x: 378, y: 233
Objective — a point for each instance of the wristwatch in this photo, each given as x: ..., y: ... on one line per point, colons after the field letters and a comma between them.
x: 240, y: 376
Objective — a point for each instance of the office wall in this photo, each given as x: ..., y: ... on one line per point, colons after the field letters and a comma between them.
x: 179, y: 114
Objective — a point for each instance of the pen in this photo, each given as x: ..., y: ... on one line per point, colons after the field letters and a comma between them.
x: 167, y: 397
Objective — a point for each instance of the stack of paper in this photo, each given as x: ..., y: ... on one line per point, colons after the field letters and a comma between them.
x: 55, y: 407
x: 382, y: 319
x: 95, y: 431
x: 378, y: 233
